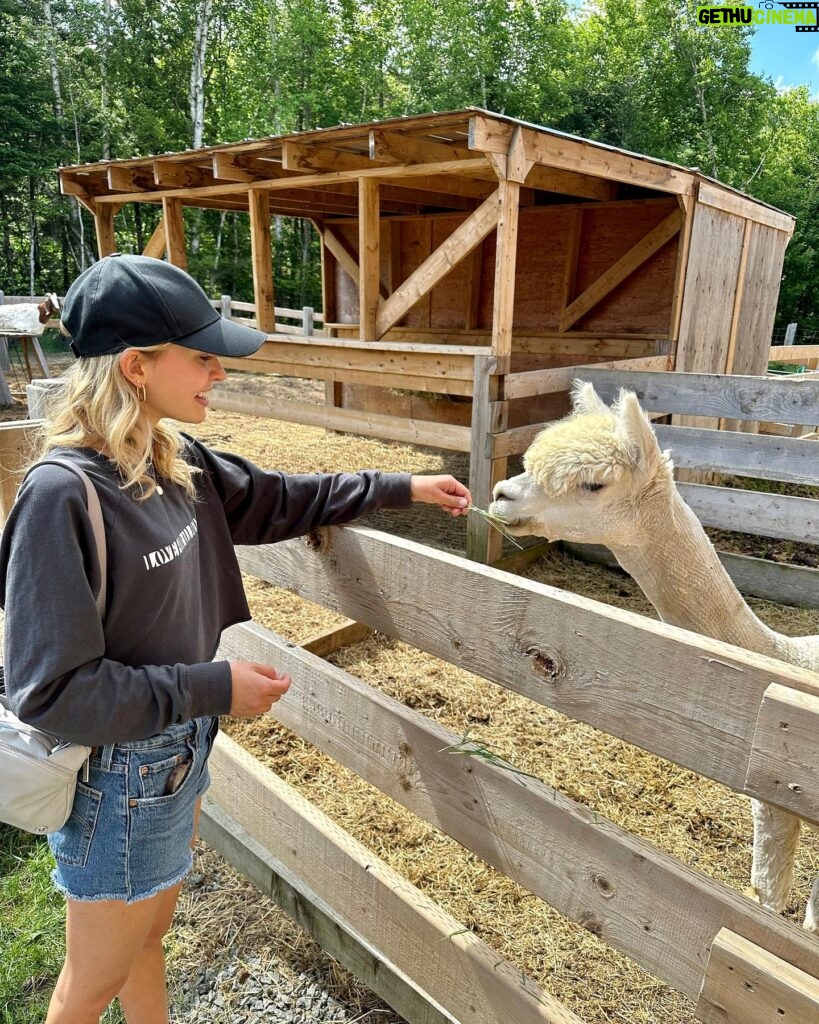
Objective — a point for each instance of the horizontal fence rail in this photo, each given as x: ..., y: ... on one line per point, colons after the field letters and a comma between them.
x: 702, y: 704
x: 770, y: 399
x: 544, y: 644
x: 640, y: 900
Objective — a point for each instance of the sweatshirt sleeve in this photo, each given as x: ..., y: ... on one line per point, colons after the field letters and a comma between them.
x: 262, y: 507
x: 56, y: 672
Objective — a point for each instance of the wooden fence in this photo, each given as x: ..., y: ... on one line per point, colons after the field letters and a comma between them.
x: 743, y: 720
x: 704, y: 705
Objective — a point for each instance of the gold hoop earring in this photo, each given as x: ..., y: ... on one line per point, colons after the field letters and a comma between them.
x: 142, y: 394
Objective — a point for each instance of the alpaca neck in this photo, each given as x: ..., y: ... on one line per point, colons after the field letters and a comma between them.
x: 678, y: 570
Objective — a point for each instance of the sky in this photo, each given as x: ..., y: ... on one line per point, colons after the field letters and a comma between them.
x: 786, y: 56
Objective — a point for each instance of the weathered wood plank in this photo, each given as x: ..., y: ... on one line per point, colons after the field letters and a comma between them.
x: 745, y: 984
x: 783, y: 752
x: 772, y: 399
x: 317, y: 918
x: 637, y: 898
x: 785, y: 353
x: 743, y: 206
x: 462, y: 973
x: 768, y: 457
x: 587, y: 660
x: 369, y: 424
x: 757, y: 512
x: 549, y: 382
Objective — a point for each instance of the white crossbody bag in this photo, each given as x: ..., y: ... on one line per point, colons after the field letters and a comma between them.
x: 38, y: 772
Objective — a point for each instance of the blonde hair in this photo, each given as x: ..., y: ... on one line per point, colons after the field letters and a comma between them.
x: 98, y: 408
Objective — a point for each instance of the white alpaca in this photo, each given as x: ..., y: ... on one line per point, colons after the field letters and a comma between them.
x: 598, y: 477
x: 27, y: 317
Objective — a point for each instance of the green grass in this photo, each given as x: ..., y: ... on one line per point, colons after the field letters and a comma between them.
x: 32, y: 923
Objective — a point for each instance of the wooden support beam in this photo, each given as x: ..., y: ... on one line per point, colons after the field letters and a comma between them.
x: 505, y: 263
x: 369, y: 256
x: 174, y: 222
x: 469, y: 234
x: 298, y: 156
x: 129, y: 179
x: 328, y: 641
x: 563, y: 152
x: 262, y: 258
x: 156, y: 244
x: 569, y: 183
x: 234, y: 167
x: 425, y: 176
x: 181, y: 175
x: 518, y: 164
x: 745, y: 984
x: 636, y: 256
x: 104, y: 224
x: 395, y: 148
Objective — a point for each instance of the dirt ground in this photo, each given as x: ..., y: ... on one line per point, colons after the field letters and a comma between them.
x: 700, y: 822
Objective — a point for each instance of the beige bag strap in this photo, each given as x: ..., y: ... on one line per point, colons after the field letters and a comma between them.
x: 95, y: 514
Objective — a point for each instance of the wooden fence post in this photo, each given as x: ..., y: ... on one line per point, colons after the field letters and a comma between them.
x: 483, y: 544
x: 309, y: 322
x: 790, y: 335
x: 225, y: 301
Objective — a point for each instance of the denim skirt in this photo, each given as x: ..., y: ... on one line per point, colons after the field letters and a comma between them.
x: 130, y: 831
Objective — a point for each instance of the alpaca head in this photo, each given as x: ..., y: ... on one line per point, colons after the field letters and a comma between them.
x: 586, y: 474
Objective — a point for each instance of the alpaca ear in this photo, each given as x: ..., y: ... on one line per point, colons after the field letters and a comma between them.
x: 585, y: 399
x: 637, y: 430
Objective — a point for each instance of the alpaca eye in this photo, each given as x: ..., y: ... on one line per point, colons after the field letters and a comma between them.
x: 591, y: 487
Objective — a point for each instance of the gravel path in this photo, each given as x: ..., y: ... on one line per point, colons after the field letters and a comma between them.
x: 236, y: 958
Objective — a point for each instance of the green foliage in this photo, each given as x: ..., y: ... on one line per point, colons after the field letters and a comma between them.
x: 112, y: 79
x: 31, y: 928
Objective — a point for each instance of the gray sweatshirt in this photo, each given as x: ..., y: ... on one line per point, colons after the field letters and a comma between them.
x: 173, y: 585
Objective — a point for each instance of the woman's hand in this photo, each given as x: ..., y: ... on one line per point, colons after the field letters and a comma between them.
x: 445, y: 491
x: 256, y: 688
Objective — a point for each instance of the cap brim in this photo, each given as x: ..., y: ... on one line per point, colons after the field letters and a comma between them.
x: 224, y: 338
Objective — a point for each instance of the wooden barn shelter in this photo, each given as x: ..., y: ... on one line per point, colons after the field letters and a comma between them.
x: 470, y: 264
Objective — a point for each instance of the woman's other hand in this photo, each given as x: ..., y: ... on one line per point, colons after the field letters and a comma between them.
x: 256, y: 688
x: 445, y: 491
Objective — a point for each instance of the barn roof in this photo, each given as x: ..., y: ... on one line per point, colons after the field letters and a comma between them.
x: 425, y: 163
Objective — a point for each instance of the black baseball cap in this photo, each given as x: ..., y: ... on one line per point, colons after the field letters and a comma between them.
x: 127, y: 301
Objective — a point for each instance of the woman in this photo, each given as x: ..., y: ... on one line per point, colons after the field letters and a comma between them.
x: 140, y: 685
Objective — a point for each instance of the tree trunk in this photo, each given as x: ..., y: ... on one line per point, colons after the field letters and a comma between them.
x: 196, y: 94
